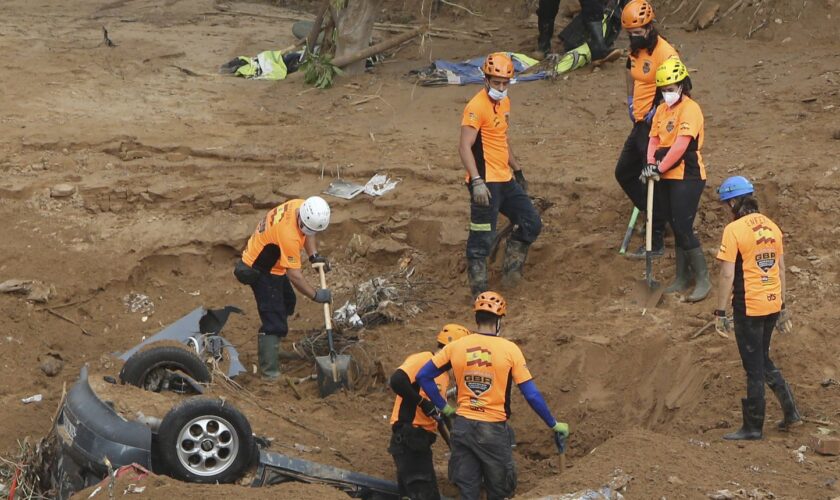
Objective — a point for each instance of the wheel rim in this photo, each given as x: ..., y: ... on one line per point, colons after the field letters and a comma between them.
x: 207, y: 445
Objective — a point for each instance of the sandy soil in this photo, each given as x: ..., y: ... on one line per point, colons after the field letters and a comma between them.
x: 174, y: 164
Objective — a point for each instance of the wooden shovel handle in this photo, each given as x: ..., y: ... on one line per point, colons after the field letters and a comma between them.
x: 327, y: 316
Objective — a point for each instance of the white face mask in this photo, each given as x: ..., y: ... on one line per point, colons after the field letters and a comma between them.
x: 496, y: 95
x: 671, y: 98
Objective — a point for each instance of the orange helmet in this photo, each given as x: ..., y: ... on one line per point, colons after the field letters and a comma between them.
x: 498, y: 64
x: 636, y: 14
x: 450, y: 333
x: 491, y: 302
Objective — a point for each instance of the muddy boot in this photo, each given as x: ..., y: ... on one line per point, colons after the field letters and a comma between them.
x: 683, y: 277
x: 657, y: 247
x: 753, y: 415
x: 600, y: 52
x: 515, y: 254
x: 477, y: 271
x: 544, y: 39
x: 702, y: 285
x: 785, y: 396
x: 267, y: 354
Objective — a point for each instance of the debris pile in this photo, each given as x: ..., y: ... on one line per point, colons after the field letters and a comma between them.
x: 139, y: 303
x: 35, y: 291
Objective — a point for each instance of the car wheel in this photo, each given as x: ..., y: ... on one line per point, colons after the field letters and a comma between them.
x: 152, y: 369
x: 205, y: 441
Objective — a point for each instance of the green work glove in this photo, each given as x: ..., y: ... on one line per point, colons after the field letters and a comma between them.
x: 561, y: 428
x: 448, y: 411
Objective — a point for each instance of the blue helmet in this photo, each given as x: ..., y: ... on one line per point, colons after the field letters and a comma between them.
x: 734, y: 187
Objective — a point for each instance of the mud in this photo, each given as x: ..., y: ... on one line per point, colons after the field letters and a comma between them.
x: 171, y: 172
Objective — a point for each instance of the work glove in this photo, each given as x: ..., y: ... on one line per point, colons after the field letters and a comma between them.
x: 322, y: 296
x: 520, y: 179
x: 651, y: 171
x: 480, y: 193
x: 320, y: 259
x: 561, y: 432
x: 429, y: 409
x: 448, y: 411
x: 784, y: 324
x: 630, y: 108
x: 723, y: 325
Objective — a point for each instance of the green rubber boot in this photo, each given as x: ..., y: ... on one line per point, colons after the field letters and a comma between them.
x: 702, y: 284
x: 267, y: 346
x: 683, y: 278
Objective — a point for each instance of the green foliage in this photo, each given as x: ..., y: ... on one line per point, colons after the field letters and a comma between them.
x: 318, y: 70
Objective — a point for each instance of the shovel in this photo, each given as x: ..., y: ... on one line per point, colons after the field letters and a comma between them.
x: 332, y: 369
x: 653, y: 291
x: 629, y: 234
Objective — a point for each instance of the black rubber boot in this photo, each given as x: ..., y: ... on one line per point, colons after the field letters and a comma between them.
x: 477, y: 272
x: 752, y: 410
x: 515, y: 254
x: 657, y: 246
x: 597, y: 46
x: 785, y: 396
x: 702, y: 285
x: 269, y: 361
x: 683, y: 278
x: 544, y: 39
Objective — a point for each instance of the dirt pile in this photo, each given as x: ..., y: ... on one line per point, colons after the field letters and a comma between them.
x: 171, y: 170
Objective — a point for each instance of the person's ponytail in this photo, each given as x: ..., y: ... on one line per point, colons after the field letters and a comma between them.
x: 744, y: 205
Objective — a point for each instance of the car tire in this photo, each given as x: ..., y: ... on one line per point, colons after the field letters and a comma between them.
x: 139, y: 369
x: 205, y: 441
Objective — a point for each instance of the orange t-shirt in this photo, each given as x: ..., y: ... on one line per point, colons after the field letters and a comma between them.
x: 754, y: 244
x: 684, y: 118
x: 490, y: 150
x: 277, y: 242
x: 643, y: 68
x: 484, y: 367
x: 411, y: 366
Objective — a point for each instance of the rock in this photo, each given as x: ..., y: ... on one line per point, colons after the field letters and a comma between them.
x: 707, y: 15
x: 399, y: 236
x: 220, y: 202
x: 359, y: 245
x: 836, y: 134
x: 62, y: 190
x: 146, y: 197
x: 826, y: 445
x: 51, y: 364
x: 241, y: 208
x: 795, y: 270
x: 675, y: 480
x: 176, y: 156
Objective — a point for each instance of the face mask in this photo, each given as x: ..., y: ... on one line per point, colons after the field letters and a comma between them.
x: 638, y: 42
x: 496, y: 95
x: 671, y: 98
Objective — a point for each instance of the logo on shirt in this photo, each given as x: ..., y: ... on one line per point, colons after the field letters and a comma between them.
x: 670, y: 126
x: 646, y: 67
x: 765, y: 260
x: 763, y: 235
x: 478, y: 383
x: 477, y: 356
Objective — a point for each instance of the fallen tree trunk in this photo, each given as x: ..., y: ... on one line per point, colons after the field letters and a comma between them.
x: 379, y: 47
x: 354, y: 27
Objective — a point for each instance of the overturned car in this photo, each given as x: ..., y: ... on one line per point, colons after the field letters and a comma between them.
x: 202, y: 440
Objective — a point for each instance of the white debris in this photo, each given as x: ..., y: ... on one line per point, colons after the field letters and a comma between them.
x: 138, y: 302
x: 94, y: 492
x: 799, y: 454
x: 380, y: 184
x: 37, y: 398
x: 347, y: 314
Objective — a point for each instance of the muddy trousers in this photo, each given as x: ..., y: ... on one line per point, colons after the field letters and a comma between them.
x: 678, y: 202
x: 276, y: 301
x: 629, y: 167
x: 510, y: 199
x: 753, y: 334
x: 411, y: 448
x: 482, y: 455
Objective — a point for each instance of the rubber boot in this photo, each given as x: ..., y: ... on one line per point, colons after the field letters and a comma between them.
x: 267, y: 346
x: 702, y: 285
x: 477, y: 271
x: 515, y: 254
x: 683, y: 278
x: 598, y: 47
x: 657, y: 246
x: 752, y: 410
x: 785, y: 396
x: 544, y: 39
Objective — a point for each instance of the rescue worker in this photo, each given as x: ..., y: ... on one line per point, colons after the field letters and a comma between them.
x: 484, y: 367
x: 675, y: 161
x: 592, y: 21
x: 648, y: 51
x: 271, y: 265
x: 753, y: 272
x: 414, y: 421
x: 488, y: 158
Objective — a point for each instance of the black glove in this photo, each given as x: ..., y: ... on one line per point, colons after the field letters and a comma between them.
x: 320, y: 259
x: 322, y: 296
x: 520, y: 179
x: 651, y: 171
x: 429, y: 409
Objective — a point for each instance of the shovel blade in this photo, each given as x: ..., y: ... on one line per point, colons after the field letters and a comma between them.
x: 332, y: 373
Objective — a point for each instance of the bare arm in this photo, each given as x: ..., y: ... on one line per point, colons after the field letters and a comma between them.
x: 727, y: 278
x: 300, y: 283
x: 782, y: 277
x: 511, y: 159
x: 468, y: 137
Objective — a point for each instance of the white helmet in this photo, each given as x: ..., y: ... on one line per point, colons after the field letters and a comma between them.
x: 314, y: 215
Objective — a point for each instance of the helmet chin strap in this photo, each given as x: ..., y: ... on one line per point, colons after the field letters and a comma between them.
x: 498, y: 327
